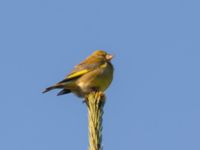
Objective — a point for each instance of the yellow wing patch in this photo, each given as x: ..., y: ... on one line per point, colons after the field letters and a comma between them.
x: 76, y: 74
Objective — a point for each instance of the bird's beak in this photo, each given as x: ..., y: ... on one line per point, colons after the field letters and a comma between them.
x: 109, y: 57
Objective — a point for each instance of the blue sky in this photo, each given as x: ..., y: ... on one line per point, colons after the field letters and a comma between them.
x: 154, y: 100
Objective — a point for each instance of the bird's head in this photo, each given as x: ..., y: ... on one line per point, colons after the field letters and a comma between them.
x: 102, y: 55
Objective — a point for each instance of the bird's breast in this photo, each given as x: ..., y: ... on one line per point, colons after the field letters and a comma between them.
x: 99, y: 78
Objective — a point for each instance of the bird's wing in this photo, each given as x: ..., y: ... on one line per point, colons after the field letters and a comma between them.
x: 80, y: 70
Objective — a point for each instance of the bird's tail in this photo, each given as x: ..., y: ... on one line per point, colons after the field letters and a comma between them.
x: 64, y: 91
x: 65, y: 84
x: 52, y: 87
x: 48, y: 89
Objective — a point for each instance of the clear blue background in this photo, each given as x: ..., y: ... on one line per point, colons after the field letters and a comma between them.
x: 154, y: 101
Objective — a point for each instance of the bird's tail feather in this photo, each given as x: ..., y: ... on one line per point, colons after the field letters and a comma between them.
x: 48, y: 89
x: 52, y: 87
x: 65, y: 84
x: 64, y: 91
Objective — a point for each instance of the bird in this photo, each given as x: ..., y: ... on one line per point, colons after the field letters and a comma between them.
x: 95, y: 73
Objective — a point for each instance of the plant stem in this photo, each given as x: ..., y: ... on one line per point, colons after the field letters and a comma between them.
x: 95, y: 102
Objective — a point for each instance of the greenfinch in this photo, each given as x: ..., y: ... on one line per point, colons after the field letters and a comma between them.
x: 95, y: 73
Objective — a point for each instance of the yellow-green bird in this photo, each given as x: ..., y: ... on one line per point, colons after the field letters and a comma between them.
x: 95, y: 73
